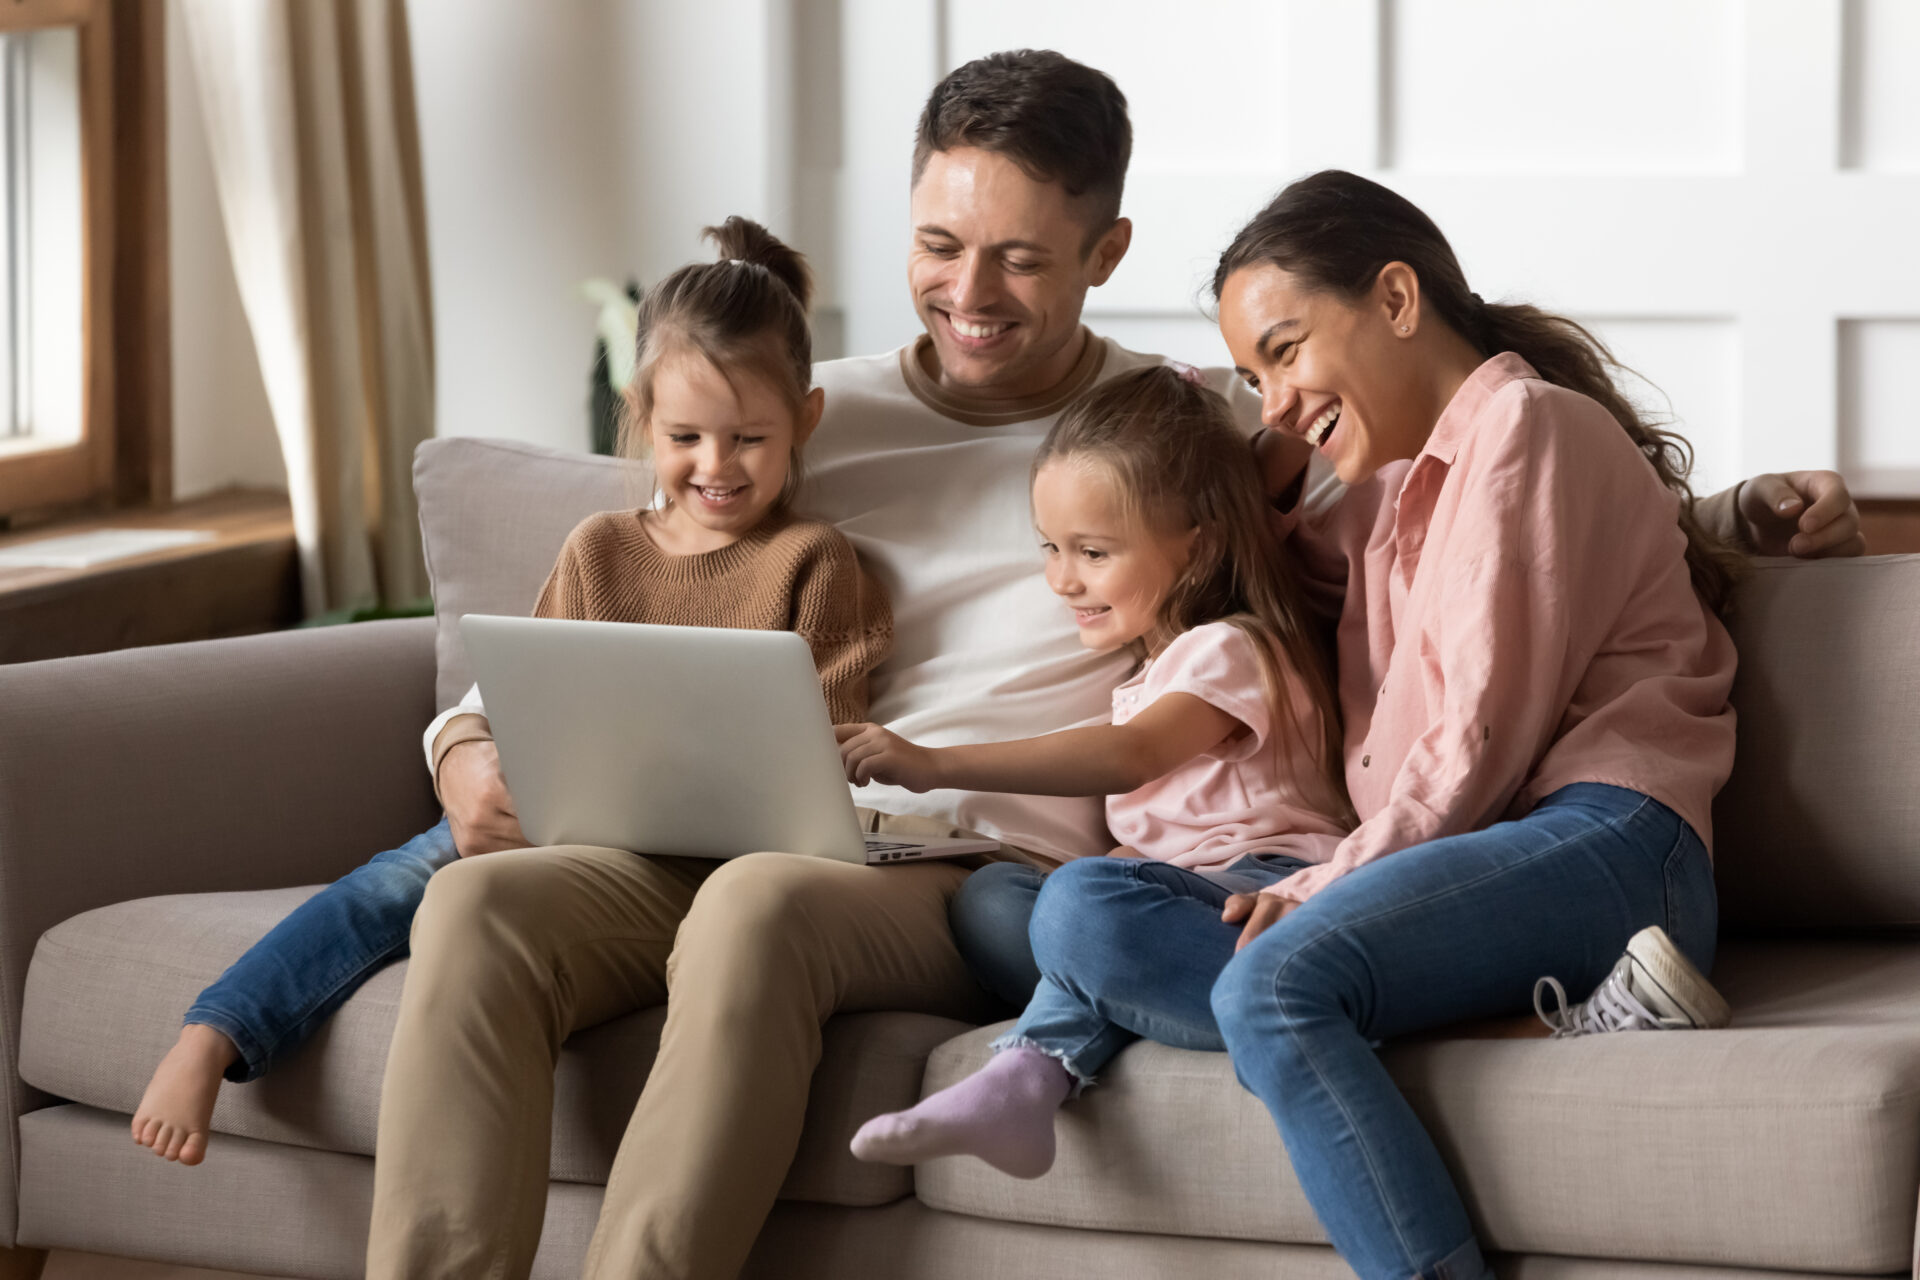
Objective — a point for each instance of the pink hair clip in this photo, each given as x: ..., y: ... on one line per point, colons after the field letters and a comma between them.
x: 1187, y: 373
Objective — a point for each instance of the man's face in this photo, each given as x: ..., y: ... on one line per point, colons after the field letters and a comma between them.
x: 999, y: 269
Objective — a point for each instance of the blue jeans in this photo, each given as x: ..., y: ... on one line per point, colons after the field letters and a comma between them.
x: 989, y: 918
x: 1088, y: 925
x: 1445, y: 932
x: 274, y: 997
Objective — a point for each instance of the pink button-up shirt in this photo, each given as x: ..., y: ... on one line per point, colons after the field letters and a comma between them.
x: 1518, y: 617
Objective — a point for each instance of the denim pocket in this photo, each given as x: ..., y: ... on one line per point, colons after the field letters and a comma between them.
x: 1693, y: 902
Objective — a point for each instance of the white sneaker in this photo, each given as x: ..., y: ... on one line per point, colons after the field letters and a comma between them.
x: 1653, y: 988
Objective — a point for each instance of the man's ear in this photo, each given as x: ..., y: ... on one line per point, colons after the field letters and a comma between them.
x: 810, y: 411
x: 1108, y: 250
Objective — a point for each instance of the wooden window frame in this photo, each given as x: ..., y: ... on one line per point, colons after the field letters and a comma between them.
x: 125, y: 453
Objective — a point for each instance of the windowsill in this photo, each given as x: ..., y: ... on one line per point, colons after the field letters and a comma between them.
x: 245, y: 579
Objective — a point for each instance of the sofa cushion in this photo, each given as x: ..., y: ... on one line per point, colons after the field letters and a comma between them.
x: 1819, y: 826
x: 106, y: 991
x: 1790, y: 1140
x: 493, y: 516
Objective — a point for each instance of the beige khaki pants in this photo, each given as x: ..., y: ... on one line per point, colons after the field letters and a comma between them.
x: 512, y: 952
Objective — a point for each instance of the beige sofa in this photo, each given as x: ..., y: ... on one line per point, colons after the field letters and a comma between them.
x: 156, y: 806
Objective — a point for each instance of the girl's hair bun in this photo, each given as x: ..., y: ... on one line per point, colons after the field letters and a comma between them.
x: 744, y: 240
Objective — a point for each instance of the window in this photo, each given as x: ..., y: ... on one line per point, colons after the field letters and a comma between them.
x: 40, y: 272
x: 84, y: 385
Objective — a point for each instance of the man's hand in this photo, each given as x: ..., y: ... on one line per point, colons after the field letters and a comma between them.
x: 1261, y: 911
x: 871, y: 754
x: 474, y: 793
x: 1808, y: 514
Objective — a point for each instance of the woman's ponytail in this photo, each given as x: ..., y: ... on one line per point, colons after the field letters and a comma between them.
x: 1568, y: 354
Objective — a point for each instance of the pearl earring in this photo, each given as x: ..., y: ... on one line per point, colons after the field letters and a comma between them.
x: 1403, y: 328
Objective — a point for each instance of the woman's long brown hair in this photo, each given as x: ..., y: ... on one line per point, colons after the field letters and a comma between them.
x: 1334, y: 231
x: 1178, y: 462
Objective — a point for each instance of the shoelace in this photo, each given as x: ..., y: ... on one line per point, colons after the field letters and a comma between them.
x: 1610, y: 1008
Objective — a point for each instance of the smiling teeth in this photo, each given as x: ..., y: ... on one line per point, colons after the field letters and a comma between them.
x: 967, y: 330
x: 717, y: 495
x: 1323, y: 424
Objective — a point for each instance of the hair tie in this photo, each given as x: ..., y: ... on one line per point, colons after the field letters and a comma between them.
x: 1186, y: 373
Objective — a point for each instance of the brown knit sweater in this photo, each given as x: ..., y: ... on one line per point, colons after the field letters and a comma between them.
x: 787, y: 575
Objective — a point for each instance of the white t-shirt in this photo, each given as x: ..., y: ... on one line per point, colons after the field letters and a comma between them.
x: 933, y: 493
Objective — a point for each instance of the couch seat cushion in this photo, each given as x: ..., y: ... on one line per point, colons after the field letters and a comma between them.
x: 1790, y: 1140
x: 106, y: 990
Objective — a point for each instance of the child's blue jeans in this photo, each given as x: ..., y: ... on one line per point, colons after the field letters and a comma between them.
x: 1083, y: 1017
x: 1445, y: 932
x: 274, y: 997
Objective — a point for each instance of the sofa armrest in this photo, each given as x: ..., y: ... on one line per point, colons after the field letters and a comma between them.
x: 271, y: 760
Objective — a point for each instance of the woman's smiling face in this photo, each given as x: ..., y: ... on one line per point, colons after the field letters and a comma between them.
x: 1335, y: 373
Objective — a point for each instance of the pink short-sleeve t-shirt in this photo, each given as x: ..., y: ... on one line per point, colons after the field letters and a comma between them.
x: 1251, y: 794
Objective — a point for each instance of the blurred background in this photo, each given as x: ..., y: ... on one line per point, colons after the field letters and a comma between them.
x: 1726, y: 190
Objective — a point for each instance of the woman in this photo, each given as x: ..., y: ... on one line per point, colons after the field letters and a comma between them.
x: 1534, y: 685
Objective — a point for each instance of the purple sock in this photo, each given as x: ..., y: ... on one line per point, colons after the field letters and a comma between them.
x: 1002, y: 1113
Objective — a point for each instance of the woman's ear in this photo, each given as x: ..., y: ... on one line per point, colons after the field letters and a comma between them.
x: 810, y: 410
x: 1397, y: 295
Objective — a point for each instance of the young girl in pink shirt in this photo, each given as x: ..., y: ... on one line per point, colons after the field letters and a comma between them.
x: 1220, y: 761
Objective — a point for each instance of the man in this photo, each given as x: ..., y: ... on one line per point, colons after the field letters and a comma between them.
x: 922, y: 461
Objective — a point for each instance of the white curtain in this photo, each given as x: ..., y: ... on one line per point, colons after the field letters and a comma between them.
x: 310, y: 119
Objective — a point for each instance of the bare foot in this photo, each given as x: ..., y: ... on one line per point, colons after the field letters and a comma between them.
x: 177, y: 1109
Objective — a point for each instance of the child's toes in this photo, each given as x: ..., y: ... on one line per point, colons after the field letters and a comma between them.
x: 171, y: 1137
x: 194, y: 1149
x: 149, y: 1133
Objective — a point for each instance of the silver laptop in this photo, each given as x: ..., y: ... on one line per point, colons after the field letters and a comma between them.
x: 695, y: 741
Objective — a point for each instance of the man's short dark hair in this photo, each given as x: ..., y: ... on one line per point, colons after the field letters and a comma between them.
x: 1059, y: 120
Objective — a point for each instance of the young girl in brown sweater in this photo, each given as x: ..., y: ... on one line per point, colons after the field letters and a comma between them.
x: 722, y: 401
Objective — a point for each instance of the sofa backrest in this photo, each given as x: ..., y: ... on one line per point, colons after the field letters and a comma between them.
x: 493, y: 517
x: 1819, y: 827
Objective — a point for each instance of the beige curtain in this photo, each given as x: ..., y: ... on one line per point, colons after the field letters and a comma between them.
x: 310, y: 119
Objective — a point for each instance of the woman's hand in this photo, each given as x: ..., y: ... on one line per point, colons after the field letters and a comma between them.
x: 1261, y: 911
x: 872, y: 754
x: 1809, y: 514
x: 479, y: 809
x: 1282, y: 460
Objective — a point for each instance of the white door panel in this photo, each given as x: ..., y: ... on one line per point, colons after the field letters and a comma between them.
x: 1727, y: 190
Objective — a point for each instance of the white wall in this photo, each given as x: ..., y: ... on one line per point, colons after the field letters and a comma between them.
x: 563, y: 142
x: 1725, y: 189
x: 222, y: 426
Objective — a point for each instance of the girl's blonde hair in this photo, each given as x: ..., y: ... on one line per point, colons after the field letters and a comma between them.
x: 1179, y: 462
x: 746, y: 311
